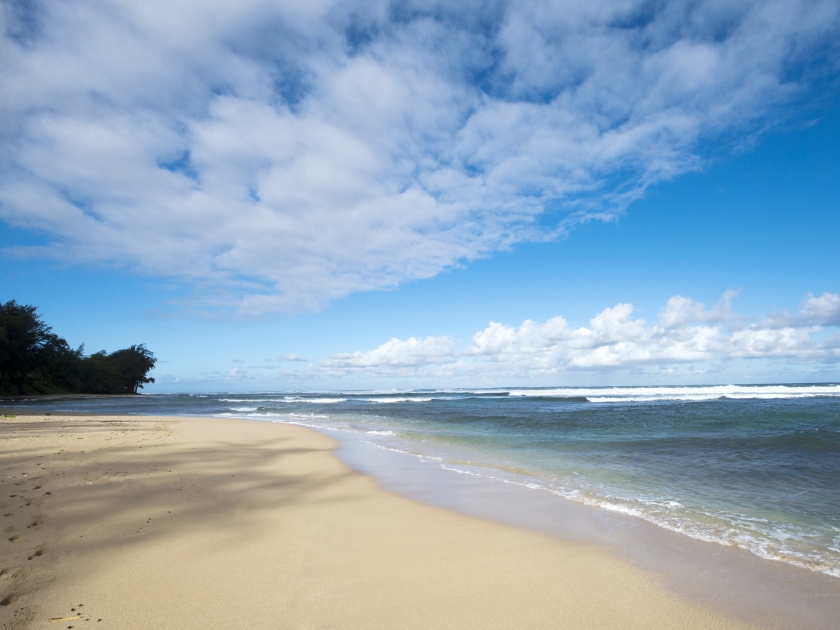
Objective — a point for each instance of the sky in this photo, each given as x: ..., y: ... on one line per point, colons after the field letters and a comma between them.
x: 377, y: 195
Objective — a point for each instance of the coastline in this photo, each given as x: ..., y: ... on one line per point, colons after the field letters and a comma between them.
x: 191, y: 522
x: 769, y: 593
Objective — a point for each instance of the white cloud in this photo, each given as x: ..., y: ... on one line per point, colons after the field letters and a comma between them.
x: 684, y: 333
x: 280, y: 155
x: 396, y: 354
x: 823, y: 310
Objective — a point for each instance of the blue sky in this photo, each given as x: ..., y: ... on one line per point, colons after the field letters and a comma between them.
x: 378, y: 195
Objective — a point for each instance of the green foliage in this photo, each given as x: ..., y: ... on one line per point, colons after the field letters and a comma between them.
x: 33, y: 360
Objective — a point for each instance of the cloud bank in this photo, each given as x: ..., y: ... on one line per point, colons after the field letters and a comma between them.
x: 685, y: 333
x: 278, y: 155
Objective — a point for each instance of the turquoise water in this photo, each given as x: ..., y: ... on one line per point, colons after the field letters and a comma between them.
x: 752, y: 466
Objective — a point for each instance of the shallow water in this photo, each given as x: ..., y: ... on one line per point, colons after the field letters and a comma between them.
x: 757, y: 467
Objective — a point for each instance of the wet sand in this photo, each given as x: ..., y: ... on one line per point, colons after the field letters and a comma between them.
x: 133, y: 522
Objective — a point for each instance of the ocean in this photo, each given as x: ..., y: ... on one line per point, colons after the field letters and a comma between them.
x: 752, y: 466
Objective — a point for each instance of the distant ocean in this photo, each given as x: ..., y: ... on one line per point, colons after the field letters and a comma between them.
x: 752, y: 466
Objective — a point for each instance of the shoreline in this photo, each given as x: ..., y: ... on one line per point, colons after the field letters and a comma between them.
x: 735, y: 581
x: 188, y: 522
x: 58, y: 397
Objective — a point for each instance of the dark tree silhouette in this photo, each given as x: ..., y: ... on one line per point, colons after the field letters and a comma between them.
x: 33, y: 360
x: 131, y: 366
x: 25, y: 342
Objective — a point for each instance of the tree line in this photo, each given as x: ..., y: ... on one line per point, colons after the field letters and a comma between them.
x: 34, y: 360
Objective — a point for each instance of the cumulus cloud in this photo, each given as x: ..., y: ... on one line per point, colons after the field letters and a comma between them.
x: 277, y: 155
x: 396, y: 354
x: 685, y: 332
x: 823, y: 310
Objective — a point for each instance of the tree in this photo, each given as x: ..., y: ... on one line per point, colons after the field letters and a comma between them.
x: 131, y: 366
x: 33, y: 360
x: 25, y: 343
x: 61, y: 367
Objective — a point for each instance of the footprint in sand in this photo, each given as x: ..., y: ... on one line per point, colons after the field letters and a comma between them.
x: 14, y: 539
x: 9, y: 599
x: 38, y: 553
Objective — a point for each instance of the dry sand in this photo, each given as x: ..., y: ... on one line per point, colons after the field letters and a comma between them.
x: 128, y: 522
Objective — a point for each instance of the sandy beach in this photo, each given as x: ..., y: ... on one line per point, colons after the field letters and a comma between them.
x: 153, y: 522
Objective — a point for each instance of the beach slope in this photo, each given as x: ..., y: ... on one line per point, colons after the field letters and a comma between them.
x: 142, y: 522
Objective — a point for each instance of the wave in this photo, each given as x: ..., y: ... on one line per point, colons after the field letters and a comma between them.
x: 401, y: 399
x: 696, y: 393
x: 286, y: 399
x: 267, y: 417
x: 569, y: 394
x: 557, y: 399
x: 428, y: 392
